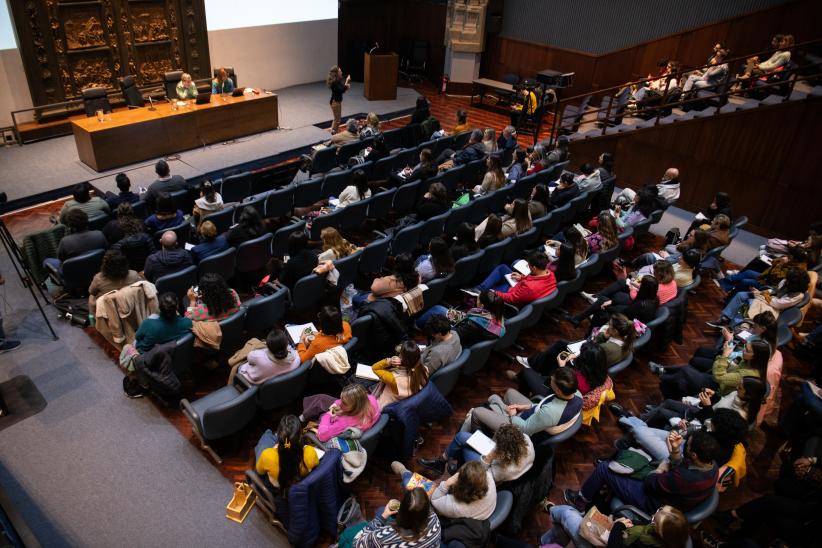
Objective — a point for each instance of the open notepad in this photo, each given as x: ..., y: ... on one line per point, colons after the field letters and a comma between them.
x: 521, y: 266
x: 365, y: 372
x: 295, y: 332
x: 575, y: 347
x: 481, y: 443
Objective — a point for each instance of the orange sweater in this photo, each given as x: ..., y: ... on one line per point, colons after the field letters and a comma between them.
x: 323, y: 342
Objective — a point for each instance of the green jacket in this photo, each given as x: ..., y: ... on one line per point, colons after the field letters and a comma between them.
x: 728, y: 375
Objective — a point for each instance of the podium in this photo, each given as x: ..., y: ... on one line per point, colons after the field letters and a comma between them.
x: 381, y: 76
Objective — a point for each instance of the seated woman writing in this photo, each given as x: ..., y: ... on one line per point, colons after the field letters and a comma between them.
x: 277, y: 358
x: 334, y: 331
x: 355, y: 409
x: 400, y: 376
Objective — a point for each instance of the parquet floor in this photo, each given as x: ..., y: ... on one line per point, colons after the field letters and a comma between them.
x: 635, y: 388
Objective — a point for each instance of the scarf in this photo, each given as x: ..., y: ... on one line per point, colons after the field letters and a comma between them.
x: 486, y: 320
x: 643, y: 534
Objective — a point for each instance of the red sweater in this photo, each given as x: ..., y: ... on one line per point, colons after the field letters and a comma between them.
x: 530, y: 288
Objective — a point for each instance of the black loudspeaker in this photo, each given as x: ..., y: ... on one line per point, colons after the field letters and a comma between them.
x: 555, y: 78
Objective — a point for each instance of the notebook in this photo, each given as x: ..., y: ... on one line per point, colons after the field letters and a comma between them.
x: 417, y: 480
x: 481, y: 443
x: 365, y: 372
x: 575, y: 347
x: 295, y: 332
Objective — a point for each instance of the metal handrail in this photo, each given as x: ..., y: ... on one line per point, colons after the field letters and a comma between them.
x: 147, y: 91
x: 792, y: 77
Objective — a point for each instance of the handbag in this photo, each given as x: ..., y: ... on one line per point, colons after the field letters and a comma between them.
x: 350, y: 514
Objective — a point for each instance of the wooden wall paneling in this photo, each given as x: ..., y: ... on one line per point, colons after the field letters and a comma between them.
x: 696, y: 46
x: 615, y: 69
x: 664, y: 48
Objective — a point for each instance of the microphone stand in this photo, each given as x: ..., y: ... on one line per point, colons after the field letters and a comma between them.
x: 151, y: 103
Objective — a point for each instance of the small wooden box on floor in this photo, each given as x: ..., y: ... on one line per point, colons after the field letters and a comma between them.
x: 381, y: 76
x: 131, y: 136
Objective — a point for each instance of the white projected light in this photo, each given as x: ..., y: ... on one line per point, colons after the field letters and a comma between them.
x: 233, y: 14
x: 6, y: 32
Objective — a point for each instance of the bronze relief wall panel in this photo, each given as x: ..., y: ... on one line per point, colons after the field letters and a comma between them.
x: 68, y: 45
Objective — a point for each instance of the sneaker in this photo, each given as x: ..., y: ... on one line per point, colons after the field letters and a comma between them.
x: 398, y: 468
x: 132, y: 388
x: 624, y: 443
x: 511, y: 375
x: 8, y: 346
x: 716, y: 282
x: 718, y: 324
x: 573, y: 498
x: 522, y: 360
x: 617, y: 410
x: 731, y: 272
x: 655, y: 368
x: 436, y: 465
x: 588, y: 297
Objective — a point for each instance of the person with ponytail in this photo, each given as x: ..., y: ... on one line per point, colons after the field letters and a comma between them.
x: 284, y: 457
x: 401, y: 376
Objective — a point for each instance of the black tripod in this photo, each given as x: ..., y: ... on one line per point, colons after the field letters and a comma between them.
x: 23, y: 272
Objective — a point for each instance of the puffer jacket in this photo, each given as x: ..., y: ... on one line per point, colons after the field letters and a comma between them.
x: 154, y: 368
x: 389, y: 326
x: 427, y: 405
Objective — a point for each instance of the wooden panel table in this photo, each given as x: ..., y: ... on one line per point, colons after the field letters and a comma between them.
x: 135, y: 135
x: 482, y: 85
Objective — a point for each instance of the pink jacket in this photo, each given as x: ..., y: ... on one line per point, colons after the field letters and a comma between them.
x: 331, y: 426
x: 774, y: 376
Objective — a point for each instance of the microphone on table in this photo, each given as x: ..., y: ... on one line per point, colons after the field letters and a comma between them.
x: 376, y: 47
x: 151, y: 103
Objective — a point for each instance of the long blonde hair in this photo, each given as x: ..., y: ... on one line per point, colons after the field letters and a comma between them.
x: 354, y: 403
x: 373, y: 121
x: 332, y: 239
x: 671, y: 526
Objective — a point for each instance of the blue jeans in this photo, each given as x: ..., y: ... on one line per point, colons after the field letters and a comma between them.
x: 651, y: 439
x: 459, y: 449
x: 267, y: 441
x: 731, y: 310
x: 647, y: 259
x: 742, y: 281
x: 629, y: 491
x: 425, y: 316
x: 565, y: 522
x: 496, y: 279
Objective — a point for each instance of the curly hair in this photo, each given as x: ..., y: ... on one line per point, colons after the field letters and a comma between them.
x: 511, y: 447
x: 216, y: 294
x: 115, y: 265
x: 128, y: 222
x: 472, y: 483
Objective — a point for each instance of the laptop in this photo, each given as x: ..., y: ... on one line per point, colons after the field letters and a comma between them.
x: 237, y: 92
x: 204, y: 98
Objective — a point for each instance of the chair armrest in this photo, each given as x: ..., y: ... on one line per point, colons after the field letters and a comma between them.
x: 294, y: 219
x: 380, y: 233
x: 634, y: 510
x: 55, y: 274
x: 190, y: 413
x: 241, y: 382
x: 256, y: 482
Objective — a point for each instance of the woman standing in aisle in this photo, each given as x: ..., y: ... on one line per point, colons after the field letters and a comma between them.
x: 337, y: 86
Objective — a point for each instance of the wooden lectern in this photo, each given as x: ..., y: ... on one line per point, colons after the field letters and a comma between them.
x: 381, y: 76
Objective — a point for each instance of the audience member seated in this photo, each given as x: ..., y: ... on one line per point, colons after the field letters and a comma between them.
x: 564, y: 265
x: 644, y: 204
x: 443, y: 343
x: 412, y: 525
x: 536, y: 285
x: 492, y: 233
x: 462, y: 123
x: 210, y: 201
x: 588, y: 180
x: 284, y: 457
x: 334, y: 245
x: 669, y: 185
x: 553, y: 414
x: 301, y: 262
x: 400, y: 376
x: 606, y: 236
x: 684, y: 480
x: 333, y: 332
x: 348, y: 135
x: 755, y: 68
x: 437, y: 263
x: 356, y: 191
x: 165, y: 182
x: 576, y: 239
x: 82, y: 199
x: 165, y: 216
x: 222, y: 83
x: 434, y: 202
x: 404, y: 278
x: 213, y: 301
x: 606, y: 166
x: 512, y: 456
x: 683, y: 267
x: 355, y: 409
x: 493, y: 179
x: 210, y: 244
x: 721, y: 204
x: 473, y: 150
x: 589, y: 367
x: 655, y: 87
x: 518, y: 167
x: 636, y: 302
x: 711, y: 77
x: 539, y: 204
x: 376, y: 152
x: 489, y: 140
x: 469, y: 494
x: 164, y: 327
x: 516, y: 222
x: 787, y: 294
x: 421, y: 112
x: 124, y: 224
x: 727, y: 372
x: 668, y: 528
x: 718, y: 235
x: 114, y: 274
x: 464, y: 242
x: 261, y: 364
x: 560, y: 153
x: 79, y: 239
x: 124, y: 196
x: 798, y: 256
x: 507, y: 139
x: 536, y: 159
x: 249, y: 226
x: 424, y: 170
x: 168, y: 260
x: 565, y: 191
x: 371, y: 128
